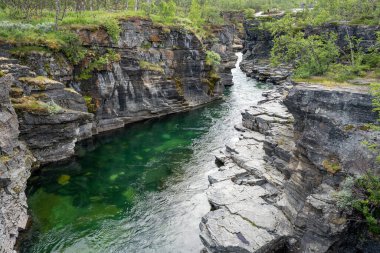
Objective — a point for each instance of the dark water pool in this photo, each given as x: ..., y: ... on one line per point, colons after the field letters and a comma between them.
x: 140, y: 189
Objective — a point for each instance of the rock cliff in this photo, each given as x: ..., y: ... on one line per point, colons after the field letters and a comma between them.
x: 154, y: 70
x: 259, y: 41
x: 15, y: 164
x: 47, y: 103
x: 275, y: 188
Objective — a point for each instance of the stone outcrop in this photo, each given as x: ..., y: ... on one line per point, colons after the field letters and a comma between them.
x: 15, y: 164
x: 48, y: 103
x: 275, y: 187
x: 49, y: 115
x: 224, y: 43
x: 259, y: 42
x: 155, y: 70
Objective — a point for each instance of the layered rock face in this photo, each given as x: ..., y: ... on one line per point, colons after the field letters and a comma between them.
x: 275, y: 188
x: 48, y: 104
x: 158, y: 70
x: 49, y: 115
x: 15, y: 163
x: 259, y: 42
x: 329, y: 132
x: 224, y: 43
x: 162, y: 70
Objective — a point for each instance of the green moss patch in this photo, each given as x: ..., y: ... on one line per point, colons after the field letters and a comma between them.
x: 27, y: 50
x: 332, y: 165
x: 32, y: 105
x: 144, y: 65
x: 91, y: 103
x: 179, y: 86
x: 100, y: 63
x: 16, y: 92
x: 41, y: 82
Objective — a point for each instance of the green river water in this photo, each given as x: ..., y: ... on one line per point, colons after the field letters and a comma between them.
x: 139, y: 189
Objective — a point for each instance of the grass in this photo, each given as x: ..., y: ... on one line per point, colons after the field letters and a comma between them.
x: 91, y: 104
x: 144, y: 65
x: 26, y: 50
x: 32, y: 105
x: 322, y: 80
x: 41, y: 82
x: 331, y: 165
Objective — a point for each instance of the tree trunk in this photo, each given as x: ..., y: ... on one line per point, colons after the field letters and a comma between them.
x: 57, y: 11
x: 136, y: 5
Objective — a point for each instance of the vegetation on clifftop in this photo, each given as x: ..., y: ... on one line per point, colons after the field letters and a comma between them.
x: 319, y: 54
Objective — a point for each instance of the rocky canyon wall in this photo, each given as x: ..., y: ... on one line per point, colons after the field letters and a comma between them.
x: 48, y: 103
x: 275, y: 188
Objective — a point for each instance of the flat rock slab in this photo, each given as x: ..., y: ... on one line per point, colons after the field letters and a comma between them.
x: 222, y: 231
x: 227, y: 192
x: 227, y: 174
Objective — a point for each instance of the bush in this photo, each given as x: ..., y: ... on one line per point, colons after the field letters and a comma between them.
x: 113, y: 29
x: 100, y: 63
x: 363, y: 195
x: 213, y: 59
x: 311, y: 55
x: 72, y: 47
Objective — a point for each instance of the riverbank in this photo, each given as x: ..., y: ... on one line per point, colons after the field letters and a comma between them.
x: 275, y: 188
x: 154, y: 202
x: 50, y: 103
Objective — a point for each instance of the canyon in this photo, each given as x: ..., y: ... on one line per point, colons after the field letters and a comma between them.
x: 274, y: 187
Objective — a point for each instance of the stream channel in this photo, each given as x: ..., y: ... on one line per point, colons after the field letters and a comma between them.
x: 139, y: 189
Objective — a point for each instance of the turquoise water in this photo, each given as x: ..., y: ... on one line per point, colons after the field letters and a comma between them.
x: 140, y: 189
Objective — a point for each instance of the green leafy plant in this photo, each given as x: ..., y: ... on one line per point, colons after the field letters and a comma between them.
x: 363, y: 195
x: 213, y: 59
x: 99, y: 63
x: 310, y: 55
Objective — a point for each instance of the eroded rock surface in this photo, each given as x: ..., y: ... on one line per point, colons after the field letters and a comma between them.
x: 15, y: 164
x: 275, y: 187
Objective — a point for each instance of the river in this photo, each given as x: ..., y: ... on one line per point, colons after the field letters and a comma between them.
x: 139, y: 189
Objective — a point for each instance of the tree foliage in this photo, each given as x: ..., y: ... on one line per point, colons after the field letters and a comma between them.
x: 310, y: 55
x: 363, y: 195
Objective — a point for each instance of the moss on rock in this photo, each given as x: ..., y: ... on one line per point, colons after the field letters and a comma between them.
x: 31, y: 105
x: 41, y: 82
x: 144, y: 65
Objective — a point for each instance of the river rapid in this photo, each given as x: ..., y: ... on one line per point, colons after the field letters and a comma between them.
x: 139, y: 189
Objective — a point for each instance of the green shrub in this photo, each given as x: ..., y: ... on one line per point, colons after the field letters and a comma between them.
x: 362, y: 194
x: 73, y: 48
x: 213, y: 59
x: 309, y: 55
x: 113, y: 28
x: 99, y: 63
x: 145, y: 65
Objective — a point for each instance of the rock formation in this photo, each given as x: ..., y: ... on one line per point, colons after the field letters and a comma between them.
x: 15, y: 164
x: 275, y: 188
x: 47, y: 103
